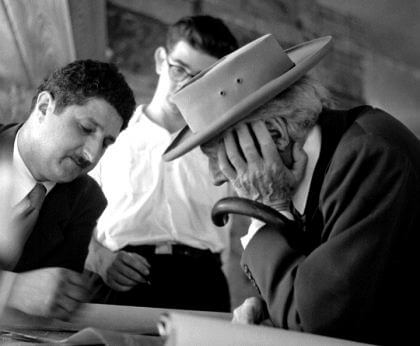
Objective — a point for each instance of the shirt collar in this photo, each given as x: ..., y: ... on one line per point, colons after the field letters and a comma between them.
x: 312, y: 147
x: 24, y: 182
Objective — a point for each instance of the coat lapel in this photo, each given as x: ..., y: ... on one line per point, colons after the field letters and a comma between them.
x: 333, y: 126
x: 48, y: 232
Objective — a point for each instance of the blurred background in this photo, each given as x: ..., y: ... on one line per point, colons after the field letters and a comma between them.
x: 375, y: 57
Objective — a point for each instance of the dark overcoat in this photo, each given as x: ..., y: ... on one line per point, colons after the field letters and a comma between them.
x: 67, y: 218
x: 354, y: 274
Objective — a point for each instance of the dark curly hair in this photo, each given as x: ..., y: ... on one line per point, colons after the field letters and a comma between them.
x: 203, y: 32
x: 82, y: 80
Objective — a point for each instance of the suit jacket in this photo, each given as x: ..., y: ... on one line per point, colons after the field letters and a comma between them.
x: 354, y: 275
x: 68, y: 215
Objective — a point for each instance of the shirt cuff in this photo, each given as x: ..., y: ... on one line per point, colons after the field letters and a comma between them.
x: 255, y: 226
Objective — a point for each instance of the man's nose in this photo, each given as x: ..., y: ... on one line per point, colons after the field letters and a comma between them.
x: 92, y: 150
x: 217, y: 176
x: 219, y: 179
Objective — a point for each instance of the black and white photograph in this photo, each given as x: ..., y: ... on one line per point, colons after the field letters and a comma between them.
x: 209, y: 172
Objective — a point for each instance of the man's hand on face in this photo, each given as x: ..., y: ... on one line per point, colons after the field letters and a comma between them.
x: 257, y: 171
x: 252, y: 311
x: 123, y: 270
x: 48, y: 292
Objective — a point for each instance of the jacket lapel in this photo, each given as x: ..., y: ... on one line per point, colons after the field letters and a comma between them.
x: 333, y: 126
x: 48, y: 232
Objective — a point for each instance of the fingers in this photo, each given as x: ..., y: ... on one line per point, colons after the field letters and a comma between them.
x: 267, y: 146
x: 75, y: 287
x: 66, y: 294
x: 248, y: 145
x: 238, y: 156
x: 128, y: 270
x: 224, y: 164
x: 48, y: 292
x: 137, y: 262
x: 124, y: 279
x: 64, y: 308
x: 255, y: 144
x: 242, y: 315
x: 252, y: 311
x: 233, y: 152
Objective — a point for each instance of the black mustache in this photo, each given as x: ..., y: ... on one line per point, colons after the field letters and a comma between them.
x: 82, y: 162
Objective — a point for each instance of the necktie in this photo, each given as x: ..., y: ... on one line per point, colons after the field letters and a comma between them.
x: 24, y: 217
x: 31, y: 209
x: 36, y: 197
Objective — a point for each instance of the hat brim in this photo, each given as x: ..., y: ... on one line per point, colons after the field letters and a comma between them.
x: 305, y: 56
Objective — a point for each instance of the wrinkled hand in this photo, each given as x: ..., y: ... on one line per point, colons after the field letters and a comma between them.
x: 123, y: 270
x: 260, y: 175
x: 48, y: 292
x: 252, y: 311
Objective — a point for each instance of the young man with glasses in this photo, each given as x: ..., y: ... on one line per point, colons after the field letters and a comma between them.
x: 155, y: 244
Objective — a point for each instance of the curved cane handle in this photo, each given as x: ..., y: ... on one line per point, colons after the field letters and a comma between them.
x: 237, y: 205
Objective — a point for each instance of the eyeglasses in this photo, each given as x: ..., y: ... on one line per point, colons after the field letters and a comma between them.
x: 178, y: 73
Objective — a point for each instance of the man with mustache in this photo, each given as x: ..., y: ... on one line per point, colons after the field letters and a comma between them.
x: 334, y: 192
x: 76, y: 113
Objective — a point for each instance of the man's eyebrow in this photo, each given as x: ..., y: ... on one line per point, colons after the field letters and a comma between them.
x: 94, y: 122
x: 110, y: 139
x: 181, y: 63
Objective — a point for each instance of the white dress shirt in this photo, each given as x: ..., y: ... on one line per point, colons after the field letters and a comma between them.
x: 151, y: 201
x: 312, y: 147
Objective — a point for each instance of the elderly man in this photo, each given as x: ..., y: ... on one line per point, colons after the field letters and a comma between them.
x: 76, y: 113
x: 341, y: 259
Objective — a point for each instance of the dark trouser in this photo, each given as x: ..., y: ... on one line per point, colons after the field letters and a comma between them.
x: 188, y: 279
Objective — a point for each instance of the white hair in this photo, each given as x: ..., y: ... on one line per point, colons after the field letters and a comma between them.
x: 299, y: 106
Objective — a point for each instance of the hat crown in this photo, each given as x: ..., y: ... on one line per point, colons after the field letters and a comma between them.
x: 231, y: 80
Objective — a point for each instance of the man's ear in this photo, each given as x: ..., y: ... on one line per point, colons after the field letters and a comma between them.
x: 279, y: 132
x: 44, y: 104
x: 160, y: 57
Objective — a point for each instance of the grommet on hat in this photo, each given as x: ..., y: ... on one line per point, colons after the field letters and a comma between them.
x: 264, y: 70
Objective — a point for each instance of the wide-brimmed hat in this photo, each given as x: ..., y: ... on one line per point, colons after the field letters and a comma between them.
x: 236, y: 85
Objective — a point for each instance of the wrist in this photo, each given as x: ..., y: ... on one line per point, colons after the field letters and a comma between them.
x: 280, y: 206
x: 288, y: 209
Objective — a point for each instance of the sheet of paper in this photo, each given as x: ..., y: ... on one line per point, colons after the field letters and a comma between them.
x: 181, y: 329
x: 87, y: 336
x: 127, y: 319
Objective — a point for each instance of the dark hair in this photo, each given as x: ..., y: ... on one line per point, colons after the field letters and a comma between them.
x: 82, y: 80
x: 205, y: 33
